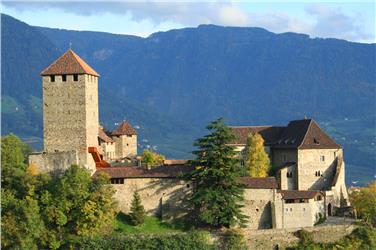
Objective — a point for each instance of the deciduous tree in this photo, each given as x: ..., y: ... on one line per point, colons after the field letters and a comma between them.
x: 256, y: 159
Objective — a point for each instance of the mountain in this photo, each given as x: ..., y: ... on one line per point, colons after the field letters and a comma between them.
x: 173, y: 83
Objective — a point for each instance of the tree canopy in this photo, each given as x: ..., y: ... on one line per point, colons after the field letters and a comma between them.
x: 364, y: 201
x: 217, y: 195
x: 256, y: 159
x: 40, y: 211
x: 151, y: 159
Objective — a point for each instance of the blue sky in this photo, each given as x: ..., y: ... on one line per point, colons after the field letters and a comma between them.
x: 354, y: 21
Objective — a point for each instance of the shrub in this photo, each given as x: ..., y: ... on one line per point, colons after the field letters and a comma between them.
x: 137, y: 215
x: 234, y: 240
x: 304, y: 236
x: 190, y: 241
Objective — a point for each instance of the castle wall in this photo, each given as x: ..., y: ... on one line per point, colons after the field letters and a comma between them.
x: 257, y: 205
x: 288, y: 183
x: 159, y: 196
x: 108, y: 150
x: 282, y: 238
x: 281, y: 156
x: 125, y: 146
x: 302, y: 214
x: 54, y: 162
x: 70, y: 116
x: 310, y: 161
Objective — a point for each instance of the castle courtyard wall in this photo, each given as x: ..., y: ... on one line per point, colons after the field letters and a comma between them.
x: 165, y: 197
x: 54, y: 162
x: 257, y: 206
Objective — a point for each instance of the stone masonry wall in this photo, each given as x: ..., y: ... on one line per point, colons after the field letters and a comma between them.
x: 53, y: 162
x: 309, y: 161
x: 70, y: 115
x: 270, y: 239
x: 281, y: 156
x: 166, y: 197
x: 257, y: 205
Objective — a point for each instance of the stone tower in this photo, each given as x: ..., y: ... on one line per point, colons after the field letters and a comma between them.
x: 125, y: 137
x: 70, y: 107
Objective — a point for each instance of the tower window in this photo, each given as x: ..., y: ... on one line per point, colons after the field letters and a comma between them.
x: 75, y: 77
x: 64, y: 77
x: 52, y: 78
x: 322, y: 158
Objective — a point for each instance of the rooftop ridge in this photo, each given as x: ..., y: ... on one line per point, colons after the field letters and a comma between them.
x: 69, y: 63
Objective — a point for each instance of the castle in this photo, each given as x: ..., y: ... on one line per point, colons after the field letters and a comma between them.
x: 310, y: 171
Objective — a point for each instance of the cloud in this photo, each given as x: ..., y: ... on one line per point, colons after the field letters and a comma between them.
x: 332, y: 22
x: 186, y: 13
x: 321, y: 21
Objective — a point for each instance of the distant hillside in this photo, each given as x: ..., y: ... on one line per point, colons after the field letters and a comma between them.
x: 172, y: 83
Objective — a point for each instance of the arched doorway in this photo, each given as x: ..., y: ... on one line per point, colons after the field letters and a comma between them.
x: 329, y: 209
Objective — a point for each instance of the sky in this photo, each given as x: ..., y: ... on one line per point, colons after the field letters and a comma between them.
x: 349, y: 20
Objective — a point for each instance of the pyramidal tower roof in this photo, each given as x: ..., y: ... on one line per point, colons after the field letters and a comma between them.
x: 124, y: 129
x: 69, y: 63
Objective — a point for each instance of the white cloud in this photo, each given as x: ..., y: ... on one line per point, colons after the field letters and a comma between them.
x: 317, y: 20
x: 333, y: 22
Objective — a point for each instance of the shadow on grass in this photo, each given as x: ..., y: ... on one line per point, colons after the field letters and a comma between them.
x: 152, y: 224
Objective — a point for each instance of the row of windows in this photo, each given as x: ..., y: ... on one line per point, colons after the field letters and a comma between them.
x: 117, y: 181
x: 75, y: 78
x: 318, y: 173
x: 322, y: 157
x: 289, y: 174
x: 291, y: 209
x: 64, y: 78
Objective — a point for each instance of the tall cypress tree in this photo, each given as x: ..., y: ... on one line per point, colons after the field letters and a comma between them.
x: 217, y: 195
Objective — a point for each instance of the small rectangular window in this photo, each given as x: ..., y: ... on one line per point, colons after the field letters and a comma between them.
x: 322, y: 158
x: 75, y: 77
x: 52, y: 78
x: 64, y: 77
x: 284, y: 158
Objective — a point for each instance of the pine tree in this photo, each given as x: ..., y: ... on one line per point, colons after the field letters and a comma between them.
x: 217, y: 195
x: 137, y: 214
x: 256, y: 159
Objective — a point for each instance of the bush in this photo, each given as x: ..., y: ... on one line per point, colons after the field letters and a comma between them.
x: 234, y: 240
x: 322, y: 219
x: 304, y: 236
x: 137, y: 215
x: 189, y: 241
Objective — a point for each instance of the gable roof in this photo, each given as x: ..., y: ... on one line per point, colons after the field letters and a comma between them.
x: 300, y: 194
x: 124, y: 129
x: 69, y: 63
x: 305, y: 134
x: 270, y: 134
x: 259, y: 182
x: 103, y: 136
x: 316, y: 138
x: 298, y: 134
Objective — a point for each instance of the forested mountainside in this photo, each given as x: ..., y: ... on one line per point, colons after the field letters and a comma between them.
x: 171, y: 84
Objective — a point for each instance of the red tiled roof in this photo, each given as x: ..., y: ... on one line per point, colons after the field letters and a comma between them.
x: 259, y: 182
x: 69, y: 63
x: 174, y: 162
x: 124, y: 129
x: 171, y: 171
x: 103, y: 136
x: 270, y: 134
x: 299, y: 194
